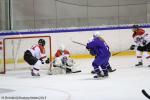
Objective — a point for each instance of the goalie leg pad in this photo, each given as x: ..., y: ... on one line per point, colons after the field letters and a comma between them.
x: 57, y: 62
x: 70, y: 62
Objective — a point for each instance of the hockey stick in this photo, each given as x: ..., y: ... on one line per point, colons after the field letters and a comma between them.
x: 85, y: 45
x: 116, y: 53
x: 78, y: 71
x: 78, y: 42
x: 50, y: 70
x: 119, y: 52
x: 145, y: 94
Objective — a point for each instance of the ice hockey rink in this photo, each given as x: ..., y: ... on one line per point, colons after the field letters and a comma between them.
x: 124, y: 84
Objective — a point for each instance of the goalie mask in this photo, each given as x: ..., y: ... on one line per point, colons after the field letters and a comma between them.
x: 62, y: 48
x: 41, y: 42
x: 90, y: 40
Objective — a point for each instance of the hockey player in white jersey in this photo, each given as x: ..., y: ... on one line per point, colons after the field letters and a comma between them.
x: 142, y: 44
x: 35, y: 56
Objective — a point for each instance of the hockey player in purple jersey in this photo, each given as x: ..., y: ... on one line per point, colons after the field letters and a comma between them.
x: 100, y: 50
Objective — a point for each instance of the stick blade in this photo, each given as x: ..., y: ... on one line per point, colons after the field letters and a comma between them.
x: 77, y: 71
x: 145, y: 94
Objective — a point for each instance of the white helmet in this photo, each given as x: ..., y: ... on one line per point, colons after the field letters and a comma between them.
x: 90, y: 40
x: 62, y: 47
x: 96, y: 34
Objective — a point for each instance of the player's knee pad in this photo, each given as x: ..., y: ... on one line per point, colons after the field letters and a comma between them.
x: 57, y: 62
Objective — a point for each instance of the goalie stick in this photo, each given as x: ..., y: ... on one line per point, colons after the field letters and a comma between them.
x: 78, y: 71
x: 145, y: 94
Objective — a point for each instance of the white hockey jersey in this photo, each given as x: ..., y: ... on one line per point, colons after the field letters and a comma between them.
x: 38, y: 51
x: 146, y: 38
x: 142, y: 40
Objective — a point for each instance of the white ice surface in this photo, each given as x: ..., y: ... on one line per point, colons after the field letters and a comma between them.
x: 124, y: 84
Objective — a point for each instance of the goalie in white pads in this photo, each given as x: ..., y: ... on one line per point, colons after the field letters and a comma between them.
x: 63, y: 61
x: 35, y: 56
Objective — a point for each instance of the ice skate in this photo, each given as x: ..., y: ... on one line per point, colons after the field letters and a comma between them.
x: 93, y: 72
x: 99, y: 75
x: 38, y: 74
x: 111, y: 70
x: 139, y: 64
x: 106, y: 74
x: 34, y: 74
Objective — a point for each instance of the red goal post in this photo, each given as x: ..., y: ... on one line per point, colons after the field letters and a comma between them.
x: 13, y: 48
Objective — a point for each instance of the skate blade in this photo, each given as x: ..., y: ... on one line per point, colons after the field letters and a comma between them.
x: 114, y: 70
x: 101, y: 78
x: 139, y: 66
x: 35, y: 76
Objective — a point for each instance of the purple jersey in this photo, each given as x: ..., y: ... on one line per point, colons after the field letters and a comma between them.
x: 98, y: 47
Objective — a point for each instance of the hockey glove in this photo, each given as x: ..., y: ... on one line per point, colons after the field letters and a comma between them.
x: 92, y: 53
x: 144, y: 42
x: 42, y: 62
x: 132, y: 47
x: 47, y: 61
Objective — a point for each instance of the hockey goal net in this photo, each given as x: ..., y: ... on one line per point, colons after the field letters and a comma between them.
x: 12, y: 51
